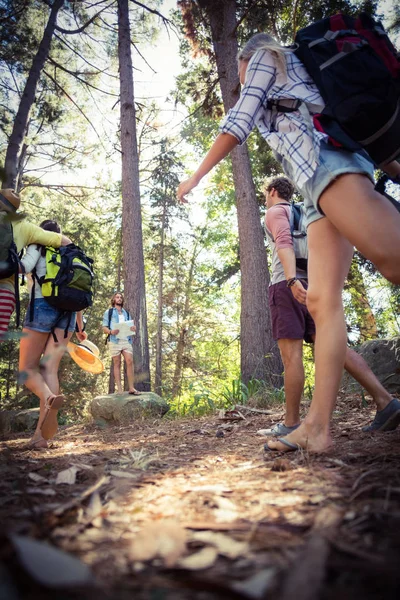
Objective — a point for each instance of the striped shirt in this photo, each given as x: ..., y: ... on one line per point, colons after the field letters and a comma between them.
x: 291, y: 136
x: 7, y: 305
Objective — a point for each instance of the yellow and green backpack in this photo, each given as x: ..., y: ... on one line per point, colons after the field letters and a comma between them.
x: 68, y: 282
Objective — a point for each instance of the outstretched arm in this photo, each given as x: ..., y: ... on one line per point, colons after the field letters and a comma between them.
x: 224, y: 143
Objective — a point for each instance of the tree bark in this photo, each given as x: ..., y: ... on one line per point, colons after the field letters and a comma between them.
x: 158, y: 373
x: 260, y: 356
x: 18, y: 133
x: 134, y: 288
x: 365, y: 317
x: 183, y: 327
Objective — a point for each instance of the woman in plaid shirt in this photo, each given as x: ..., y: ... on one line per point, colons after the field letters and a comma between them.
x: 343, y: 209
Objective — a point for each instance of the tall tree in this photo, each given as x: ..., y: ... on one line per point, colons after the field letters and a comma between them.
x: 131, y: 206
x: 15, y: 144
x: 259, y: 353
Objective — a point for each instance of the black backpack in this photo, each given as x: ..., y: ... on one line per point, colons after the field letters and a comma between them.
x: 357, y: 71
x: 10, y: 260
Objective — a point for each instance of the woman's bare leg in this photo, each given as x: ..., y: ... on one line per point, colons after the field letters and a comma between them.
x: 367, y: 219
x: 330, y: 256
x: 52, y: 356
x: 31, y: 348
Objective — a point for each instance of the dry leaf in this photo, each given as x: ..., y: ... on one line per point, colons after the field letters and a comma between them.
x: 83, y: 466
x: 37, y: 478
x: 256, y: 586
x: 225, y: 545
x: 94, y: 507
x: 67, y: 476
x: 164, y: 539
x: 41, y: 491
x: 124, y: 474
x: 203, y: 559
x: 50, y: 566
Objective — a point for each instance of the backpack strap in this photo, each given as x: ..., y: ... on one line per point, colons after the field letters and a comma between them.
x: 110, y: 312
x: 17, y: 262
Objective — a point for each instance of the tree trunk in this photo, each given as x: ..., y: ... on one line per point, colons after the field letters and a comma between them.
x: 260, y: 356
x: 134, y: 288
x: 183, y: 328
x: 158, y: 374
x: 28, y: 97
x: 365, y: 317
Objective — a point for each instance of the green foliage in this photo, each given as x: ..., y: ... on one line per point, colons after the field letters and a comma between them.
x: 200, y: 400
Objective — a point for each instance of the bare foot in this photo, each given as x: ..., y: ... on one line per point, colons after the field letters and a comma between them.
x: 306, y: 437
x: 134, y: 392
x: 37, y: 443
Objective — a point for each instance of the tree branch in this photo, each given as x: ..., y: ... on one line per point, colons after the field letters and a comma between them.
x: 76, y: 75
x: 85, y: 26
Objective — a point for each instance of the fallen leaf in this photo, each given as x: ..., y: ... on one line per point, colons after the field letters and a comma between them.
x: 225, y: 545
x: 37, y: 478
x: 94, y: 507
x: 203, y: 559
x: 50, y: 566
x: 256, y: 586
x: 165, y: 539
x: 83, y: 466
x: 67, y: 476
x: 41, y: 491
x: 124, y: 474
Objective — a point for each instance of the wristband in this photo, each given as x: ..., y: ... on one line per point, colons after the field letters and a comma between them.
x: 291, y: 281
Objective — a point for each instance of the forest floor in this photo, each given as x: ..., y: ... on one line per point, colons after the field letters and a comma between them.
x: 167, y: 509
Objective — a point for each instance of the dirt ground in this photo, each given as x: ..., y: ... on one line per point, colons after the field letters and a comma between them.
x: 194, y: 509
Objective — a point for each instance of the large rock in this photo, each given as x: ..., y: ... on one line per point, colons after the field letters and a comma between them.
x: 383, y: 357
x: 122, y: 408
x: 23, y: 420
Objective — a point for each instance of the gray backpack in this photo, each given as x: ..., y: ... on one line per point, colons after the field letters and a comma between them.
x: 298, y: 229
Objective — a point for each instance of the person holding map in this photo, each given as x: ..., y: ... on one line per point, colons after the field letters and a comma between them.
x: 119, y: 327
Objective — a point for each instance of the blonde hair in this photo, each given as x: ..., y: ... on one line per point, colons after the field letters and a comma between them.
x: 263, y: 41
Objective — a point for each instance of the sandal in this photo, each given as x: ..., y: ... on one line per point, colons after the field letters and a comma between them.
x: 49, y: 425
x: 135, y: 393
x: 38, y: 444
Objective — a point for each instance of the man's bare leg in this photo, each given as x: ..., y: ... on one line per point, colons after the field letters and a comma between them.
x: 292, y: 358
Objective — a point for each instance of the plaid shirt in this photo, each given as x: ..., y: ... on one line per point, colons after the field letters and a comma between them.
x: 291, y: 136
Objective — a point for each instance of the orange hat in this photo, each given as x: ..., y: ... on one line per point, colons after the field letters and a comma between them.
x: 86, y: 355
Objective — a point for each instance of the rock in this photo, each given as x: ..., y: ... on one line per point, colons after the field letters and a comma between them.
x: 26, y: 420
x: 122, y: 408
x: 23, y: 420
x: 383, y: 357
x: 6, y: 417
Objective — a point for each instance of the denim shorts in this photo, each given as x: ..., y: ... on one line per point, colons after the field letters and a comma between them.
x: 45, y: 317
x: 332, y: 163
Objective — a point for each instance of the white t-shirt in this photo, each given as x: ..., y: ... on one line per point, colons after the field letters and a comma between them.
x: 33, y: 259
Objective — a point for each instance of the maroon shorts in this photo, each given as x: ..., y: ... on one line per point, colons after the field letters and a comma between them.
x: 290, y: 319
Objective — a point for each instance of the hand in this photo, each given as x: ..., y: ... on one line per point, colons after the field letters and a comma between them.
x: 133, y: 328
x: 114, y: 331
x: 81, y: 335
x: 185, y: 187
x: 299, y: 292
